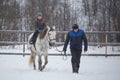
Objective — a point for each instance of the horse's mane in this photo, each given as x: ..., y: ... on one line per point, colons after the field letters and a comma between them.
x: 43, y: 33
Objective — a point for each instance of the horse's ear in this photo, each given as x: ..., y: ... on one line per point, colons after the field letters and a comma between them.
x: 52, y: 28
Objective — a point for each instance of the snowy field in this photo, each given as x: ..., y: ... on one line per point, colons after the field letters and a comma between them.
x: 92, y: 68
x: 13, y: 67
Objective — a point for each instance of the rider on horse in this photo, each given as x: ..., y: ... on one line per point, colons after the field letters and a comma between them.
x: 39, y: 26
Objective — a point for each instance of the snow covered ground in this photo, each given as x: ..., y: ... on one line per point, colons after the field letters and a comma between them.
x: 13, y: 67
x: 92, y: 68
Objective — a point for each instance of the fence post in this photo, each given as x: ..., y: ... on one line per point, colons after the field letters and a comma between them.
x: 24, y: 44
x: 106, y: 41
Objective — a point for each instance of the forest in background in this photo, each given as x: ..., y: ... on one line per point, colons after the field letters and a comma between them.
x: 91, y: 15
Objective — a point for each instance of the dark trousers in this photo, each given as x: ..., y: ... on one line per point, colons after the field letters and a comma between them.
x: 76, y: 55
x: 75, y: 60
x: 34, y: 37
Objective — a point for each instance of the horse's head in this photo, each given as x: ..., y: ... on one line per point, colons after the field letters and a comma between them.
x: 52, y: 35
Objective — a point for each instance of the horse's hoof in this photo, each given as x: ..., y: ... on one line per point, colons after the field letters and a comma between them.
x: 40, y: 69
x: 34, y: 68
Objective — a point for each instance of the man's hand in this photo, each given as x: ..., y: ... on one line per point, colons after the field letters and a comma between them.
x: 64, y: 51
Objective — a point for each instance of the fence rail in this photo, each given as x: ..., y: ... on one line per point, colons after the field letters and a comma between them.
x: 51, y: 54
x: 63, y: 32
x: 61, y: 43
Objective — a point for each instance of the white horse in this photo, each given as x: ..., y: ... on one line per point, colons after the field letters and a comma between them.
x: 41, y: 47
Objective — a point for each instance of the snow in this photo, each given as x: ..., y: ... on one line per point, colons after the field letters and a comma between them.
x: 15, y: 67
x: 92, y: 68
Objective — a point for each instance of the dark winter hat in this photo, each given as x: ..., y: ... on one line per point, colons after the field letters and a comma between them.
x: 39, y: 14
x: 75, y: 26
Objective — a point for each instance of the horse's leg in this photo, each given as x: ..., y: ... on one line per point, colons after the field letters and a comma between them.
x: 34, y: 56
x: 39, y: 63
x: 34, y: 63
x: 46, y: 61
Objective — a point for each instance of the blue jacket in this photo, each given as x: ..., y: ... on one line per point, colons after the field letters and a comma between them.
x: 76, y: 39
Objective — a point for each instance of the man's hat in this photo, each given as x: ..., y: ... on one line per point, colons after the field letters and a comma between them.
x: 75, y: 26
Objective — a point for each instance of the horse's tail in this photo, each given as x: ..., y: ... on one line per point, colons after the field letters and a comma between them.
x: 32, y: 58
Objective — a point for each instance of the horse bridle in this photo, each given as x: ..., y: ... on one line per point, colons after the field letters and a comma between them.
x: 50, y: 40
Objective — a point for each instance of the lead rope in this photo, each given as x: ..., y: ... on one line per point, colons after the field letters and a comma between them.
x: 62, y: 53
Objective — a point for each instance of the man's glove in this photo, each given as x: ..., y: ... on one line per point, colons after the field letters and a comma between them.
x: 64, y: 51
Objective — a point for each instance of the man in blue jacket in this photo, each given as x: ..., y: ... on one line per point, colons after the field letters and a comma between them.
x: 76, y: 37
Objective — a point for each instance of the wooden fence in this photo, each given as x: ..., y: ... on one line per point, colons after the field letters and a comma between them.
x: 26, y: 33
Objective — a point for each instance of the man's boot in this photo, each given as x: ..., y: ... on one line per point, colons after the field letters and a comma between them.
x: 76, y: 68
x: 73, y: 67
